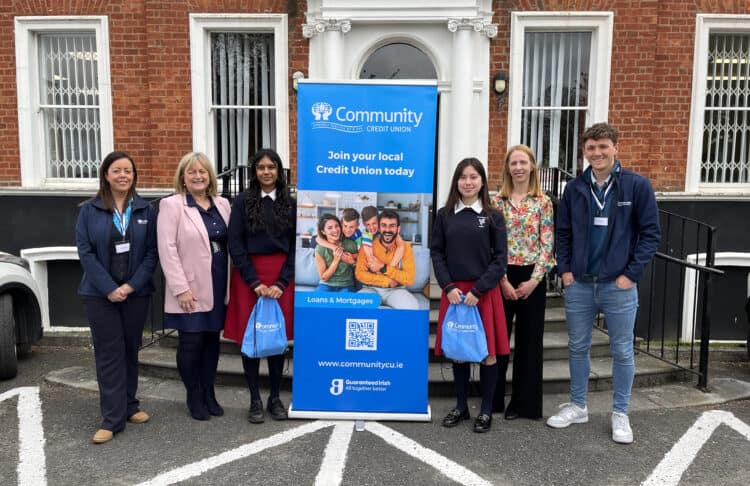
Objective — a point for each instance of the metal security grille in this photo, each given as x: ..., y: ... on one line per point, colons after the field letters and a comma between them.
x: 555, y: 96
x: 726, y: 125
x: 243, y: 98
x: 69, y: 104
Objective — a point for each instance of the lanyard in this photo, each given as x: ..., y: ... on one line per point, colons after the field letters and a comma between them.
x: 603, y: 201
x: 122, y: 220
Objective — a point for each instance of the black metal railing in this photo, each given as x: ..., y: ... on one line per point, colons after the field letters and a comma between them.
x: 675, y: 296
x: 235, y: 180
x: 553, y: 182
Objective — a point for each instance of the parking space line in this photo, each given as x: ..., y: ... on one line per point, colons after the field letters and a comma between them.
x: 32, y: 468
x: 678, y: 459
x: 452, y: 469
x: 197, y: 468
x: 334, y: 460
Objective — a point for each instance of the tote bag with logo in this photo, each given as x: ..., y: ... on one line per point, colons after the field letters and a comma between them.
x: 463, y: 337
x: 265, y: 334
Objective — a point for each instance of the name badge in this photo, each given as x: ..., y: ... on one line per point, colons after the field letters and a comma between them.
x: 122, y: 247
x: 600, y: 221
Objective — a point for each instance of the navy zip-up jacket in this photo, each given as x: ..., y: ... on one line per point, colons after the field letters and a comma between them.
x: 94, y: 241
x: 633, y: 232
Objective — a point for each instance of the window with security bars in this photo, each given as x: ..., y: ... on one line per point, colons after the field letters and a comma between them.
x: 726, y: 123
x: 555, y: 96
x: 69, y: 104
x: 243, y: 100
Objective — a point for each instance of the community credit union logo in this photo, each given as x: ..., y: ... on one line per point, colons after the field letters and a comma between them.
x: 321, y: 110
x: 354, y: 120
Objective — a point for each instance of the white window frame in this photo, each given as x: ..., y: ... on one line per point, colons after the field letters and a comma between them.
x: 600, y: 24
x: 31, y: 131
x: 706, y: 24
x: 201, y: 27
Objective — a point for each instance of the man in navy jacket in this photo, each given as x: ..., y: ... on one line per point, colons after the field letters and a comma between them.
x: 607, y: 233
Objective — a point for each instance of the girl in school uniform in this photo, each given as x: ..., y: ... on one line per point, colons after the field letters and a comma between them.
x: 469, y: 257
x: 262, y: 244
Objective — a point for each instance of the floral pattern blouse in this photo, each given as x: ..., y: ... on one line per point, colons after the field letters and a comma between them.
x: 531, y: 232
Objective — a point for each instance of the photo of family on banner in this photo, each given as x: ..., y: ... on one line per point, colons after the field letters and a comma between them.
x: 366, y: 161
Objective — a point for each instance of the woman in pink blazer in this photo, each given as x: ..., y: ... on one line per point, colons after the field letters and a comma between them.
x: 192, y: 240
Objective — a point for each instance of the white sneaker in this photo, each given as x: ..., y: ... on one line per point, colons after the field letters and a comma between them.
x: 569, y: 413
x: 621, y: 431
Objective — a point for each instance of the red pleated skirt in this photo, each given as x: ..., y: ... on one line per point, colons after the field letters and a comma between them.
x: 242, y: 298
x: 491, y: 311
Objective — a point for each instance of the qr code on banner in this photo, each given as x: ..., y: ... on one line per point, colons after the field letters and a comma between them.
x: 362, y: 334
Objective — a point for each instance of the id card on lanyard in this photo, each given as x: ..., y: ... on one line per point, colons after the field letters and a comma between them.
x: 599, y: 218
x: 121, y: 221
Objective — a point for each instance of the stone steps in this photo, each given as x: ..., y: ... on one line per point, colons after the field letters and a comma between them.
x: 160, y: 362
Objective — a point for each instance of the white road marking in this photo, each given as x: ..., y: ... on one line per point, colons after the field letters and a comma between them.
x: 678, y: 459
x: 452, y: 469
x: 197, y: 468
x: 32, y: 469
x: 334, y: 461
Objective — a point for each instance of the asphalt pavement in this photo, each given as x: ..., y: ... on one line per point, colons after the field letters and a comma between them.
x: 701, y: 438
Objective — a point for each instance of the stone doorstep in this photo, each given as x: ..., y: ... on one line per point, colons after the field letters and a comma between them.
x: 160, y: 363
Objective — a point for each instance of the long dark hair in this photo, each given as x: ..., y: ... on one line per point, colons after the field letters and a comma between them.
x: 105, y: 191
x: 282, y: 206
x: 454, y: 196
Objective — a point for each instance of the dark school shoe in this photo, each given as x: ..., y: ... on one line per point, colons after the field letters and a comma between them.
x: 483, y: 423
x: 455, y: 416
x: 276, y: 409
x: 255, y: 414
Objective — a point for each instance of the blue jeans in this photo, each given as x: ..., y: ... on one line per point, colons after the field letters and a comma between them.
x: 582, y: 302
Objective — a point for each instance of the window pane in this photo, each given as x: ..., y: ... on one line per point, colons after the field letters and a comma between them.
x: 398, y: 61
x: 69, y: 101
x: 555, y: 96
x: 242, y: 95
x: 726, y: 123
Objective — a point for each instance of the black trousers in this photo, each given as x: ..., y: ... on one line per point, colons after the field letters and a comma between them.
x: 116, y: 330
x: 526, y: 397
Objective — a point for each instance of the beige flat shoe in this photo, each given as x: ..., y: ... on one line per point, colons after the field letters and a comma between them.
x: 139, y: 417
x: 102, y: 436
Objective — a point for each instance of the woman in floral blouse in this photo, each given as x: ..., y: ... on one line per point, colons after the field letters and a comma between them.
x: 529, y: 224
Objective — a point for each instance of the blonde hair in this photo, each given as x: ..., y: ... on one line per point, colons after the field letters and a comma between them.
x: 535, y: 187
x: 187, y: 160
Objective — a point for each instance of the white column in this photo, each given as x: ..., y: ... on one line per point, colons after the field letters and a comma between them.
x: 464, y: 112
x: 329, y: 45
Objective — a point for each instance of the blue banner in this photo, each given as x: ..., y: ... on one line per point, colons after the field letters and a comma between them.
x: 366, y: 162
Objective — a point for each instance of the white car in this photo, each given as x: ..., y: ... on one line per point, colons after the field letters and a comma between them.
x: 20, y: 314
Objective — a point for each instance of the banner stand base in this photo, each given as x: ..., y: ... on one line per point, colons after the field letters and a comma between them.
x: 320, y: 414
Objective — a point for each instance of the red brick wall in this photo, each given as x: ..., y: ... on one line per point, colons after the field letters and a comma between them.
x: 150, y: 73
x: 650, y: 83
x: 650, y: 91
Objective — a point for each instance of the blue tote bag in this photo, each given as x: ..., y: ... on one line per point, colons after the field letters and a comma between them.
x: 265, y: 334
x: 463, y: 337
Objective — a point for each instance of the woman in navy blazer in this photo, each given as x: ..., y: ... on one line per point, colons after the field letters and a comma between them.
x: 192, y: 235
x: 116, y: 239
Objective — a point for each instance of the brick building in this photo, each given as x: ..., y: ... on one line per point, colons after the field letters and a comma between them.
x: 80, y: 78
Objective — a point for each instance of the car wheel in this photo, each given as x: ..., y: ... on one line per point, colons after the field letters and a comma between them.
x: 8, y: 363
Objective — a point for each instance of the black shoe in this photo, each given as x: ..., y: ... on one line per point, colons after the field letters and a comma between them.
x: 455, y: 416
x: 511, y: 415
x: 483, y: 423
x: 196, y: 405
x: 211, y: 404
x: 255, y: 414
x: 277, y: 409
